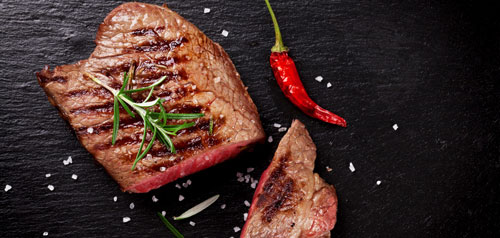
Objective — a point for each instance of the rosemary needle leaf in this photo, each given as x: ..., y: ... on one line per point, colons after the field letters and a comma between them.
x: 170, y: 226
x: 198, y: 208
x: 116, y: 120
x: 147, y: 104
x: 211, y: 128
x: 150, y: 145
x: 124, y: 105
x: 148, y: 87
x: 176, y: 128
x: 149, y: 95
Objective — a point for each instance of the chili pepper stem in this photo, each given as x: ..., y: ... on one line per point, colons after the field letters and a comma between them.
x: 278, y: 46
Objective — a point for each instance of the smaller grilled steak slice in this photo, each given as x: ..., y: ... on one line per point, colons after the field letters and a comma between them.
x: 291, y: 201
x: 200, y: 78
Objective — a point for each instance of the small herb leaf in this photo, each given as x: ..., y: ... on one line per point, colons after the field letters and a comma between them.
x: 198, y: 208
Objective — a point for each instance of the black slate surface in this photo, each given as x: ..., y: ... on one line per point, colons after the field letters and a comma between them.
x: 431, y: 67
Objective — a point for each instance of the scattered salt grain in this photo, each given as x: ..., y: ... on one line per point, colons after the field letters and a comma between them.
x: 225, y: 33
x: 206, y: 10
x: 90, y: 130
x: 249, y: 170
x: 379, y: 182
x: 222, y: 206
x: 45, y: 233
x: 241, y: 179
x: 395, y: 126
x: 236, y: 229
x: 68, y: 161
x: 178, y: 186
x: 254, y: 184
x: 216, y: 79
x: 181, y: 198
x: 245, y: 216
x: 50, y: 187
x: 48, y: 175
x: 189, y: 182
x: 163, y: 213
x: 115, y: 198
x: 162, y: 169
x: 282, y: 129
x: 126, y: 219
x: 246, y: 203
x: 192, y: 223
x: 7, y: 188
x: 328, y: 85
x: 277, y: 125
x: 185, y: 185
x: 319, y: 79
x: 74, y: 177
x: 351, y: 167
x: 154, y: 198
x: 328, y: 169
x: 238, y: 174
x: 270, y: 139
x: 132, y: 205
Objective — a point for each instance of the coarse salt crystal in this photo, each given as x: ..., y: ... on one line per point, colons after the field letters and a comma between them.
x: 319, y: 78
x: 48, y: 175
x: 126, y: 219
x: 277, y: 125
x: 181, y: 198
x: 50, y: 187
x: 245, y: 216
x: 270, y: 139
x: 163, y: 213
x: 241, y: 179
x: 74, y: 176
x: 115, y: 198
x: 90, y: 130
x: 154, y: 198
x: 395, y: 126
x: 46, y: 233
x: 250, y: 170
x: 206, y: 10
x: 185, y: 185
x: 351, y: 167
x: 178, y: 186
x: 225, y: 33
x: 192, y: 223
x: 132, y: 205
x: 246, y: 203
x: 238, y: 174
x: 216, y: 79
x: 328, y: 169
x: 7, y: 188
x: 223, y: 206
x: 236, y: 229
x: 282, y: 129
x: 189, y: 182
x: 253, y: 185
x: 162, y: 169
x: 379, y: 182
x: 329, y: 85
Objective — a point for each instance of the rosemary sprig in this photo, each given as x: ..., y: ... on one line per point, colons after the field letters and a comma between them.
x: 198, y: 208
x: 156, y: 122
x: 170, y: 226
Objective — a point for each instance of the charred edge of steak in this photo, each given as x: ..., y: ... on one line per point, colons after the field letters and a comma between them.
x: 159, y: 44
x: 277, y: 191
x: 148, y: 31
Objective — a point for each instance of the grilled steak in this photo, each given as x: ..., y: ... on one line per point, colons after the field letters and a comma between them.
x: 200, y: 78
x: 291, y: 201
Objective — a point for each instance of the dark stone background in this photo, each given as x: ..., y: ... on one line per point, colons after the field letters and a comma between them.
x: 432, y: 67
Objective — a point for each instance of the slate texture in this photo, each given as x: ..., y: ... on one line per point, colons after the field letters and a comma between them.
x: 431, y: 67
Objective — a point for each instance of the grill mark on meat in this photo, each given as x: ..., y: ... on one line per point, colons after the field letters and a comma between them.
x: 44, y: 79
x: 147, y: 31
x: 105, y: 108
x: 128, y: 122
x: 98, y: 92
x: 277, y: 191
x: 160, y: 45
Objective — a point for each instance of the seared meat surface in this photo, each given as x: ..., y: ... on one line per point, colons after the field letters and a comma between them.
x: 200, y: 78
x: 291, y: 201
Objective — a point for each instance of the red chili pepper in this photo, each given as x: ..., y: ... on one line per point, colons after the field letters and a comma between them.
x: 288, y: 79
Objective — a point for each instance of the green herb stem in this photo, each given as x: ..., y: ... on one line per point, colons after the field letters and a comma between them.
x: 170, y: 226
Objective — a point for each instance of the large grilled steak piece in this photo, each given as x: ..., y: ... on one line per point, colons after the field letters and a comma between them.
x: 200, y: 78
x: 291, y: 201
